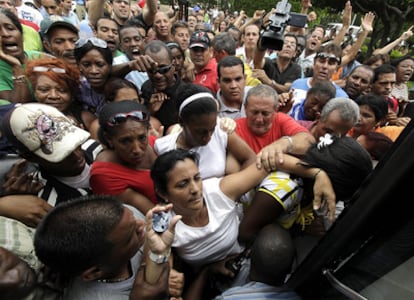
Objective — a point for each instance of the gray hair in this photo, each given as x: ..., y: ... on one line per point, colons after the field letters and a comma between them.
x: 347, y: 108
x: 262, y: 90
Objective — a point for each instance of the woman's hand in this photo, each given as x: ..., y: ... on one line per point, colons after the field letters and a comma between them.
x: 324, y: 194
x: 160, y: 243
x: 228, y: 125
x: 11, y: 60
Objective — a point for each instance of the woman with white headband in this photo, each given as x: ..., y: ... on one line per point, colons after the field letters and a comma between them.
x: 201, y: 132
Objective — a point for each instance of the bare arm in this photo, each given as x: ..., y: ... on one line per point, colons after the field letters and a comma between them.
x: 258, y: 14
x: 148, y: 12
x: 366, y: 23
x: 387, y: 48
x: 28, y: 209
x: 137, y: 200
x: 152, y: 278
x: 95, y: 11
x: 239, y: 21
x: 272, y: 155
x: 240, y: 150
x: 346, y: 22
x: 20, y: 91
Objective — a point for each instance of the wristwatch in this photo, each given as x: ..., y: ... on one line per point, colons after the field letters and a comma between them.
x: 159, y: 258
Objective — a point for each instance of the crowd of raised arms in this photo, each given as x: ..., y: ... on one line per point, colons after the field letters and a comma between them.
x: 116, y: 115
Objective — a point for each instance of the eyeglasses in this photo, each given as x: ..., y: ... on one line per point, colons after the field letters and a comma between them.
x: 120, y: 118
x: 331, y: 58
x: 161, y: 70
x: 93, y: 40
x: 45, y: 69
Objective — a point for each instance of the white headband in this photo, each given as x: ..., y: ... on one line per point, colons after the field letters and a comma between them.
x: 194, y: 98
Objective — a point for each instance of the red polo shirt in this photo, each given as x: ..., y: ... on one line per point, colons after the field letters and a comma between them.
x: 208, y: 76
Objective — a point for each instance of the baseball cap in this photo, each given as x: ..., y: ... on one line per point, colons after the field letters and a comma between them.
x: 43, y: 130
x: 196, y: 8
x: 199, y: 39
x: 54, y: 21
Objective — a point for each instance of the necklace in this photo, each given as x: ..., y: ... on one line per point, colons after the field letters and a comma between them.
x: 112, y: 280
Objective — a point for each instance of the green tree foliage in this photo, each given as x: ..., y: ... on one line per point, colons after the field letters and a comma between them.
x: 392, y: 17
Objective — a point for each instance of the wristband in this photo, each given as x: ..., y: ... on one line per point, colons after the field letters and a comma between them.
x: 290, y: 148
x: 159, y: 258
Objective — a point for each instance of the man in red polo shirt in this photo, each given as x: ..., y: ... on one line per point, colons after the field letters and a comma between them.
x: 270, y: 133
x: 205, y: 64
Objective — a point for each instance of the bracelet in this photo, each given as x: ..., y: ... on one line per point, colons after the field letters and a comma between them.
x: 290, y: 148
x: 19, y: 79
x: 159, y: 258
x: 316, y: 174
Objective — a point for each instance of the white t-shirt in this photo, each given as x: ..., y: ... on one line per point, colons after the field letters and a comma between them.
x: 212, y: 156
x: 216, y: 240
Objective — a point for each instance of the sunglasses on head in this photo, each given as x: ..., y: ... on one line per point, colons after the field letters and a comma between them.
x: 120, y: 118
x: 161, y: 70
x: 45, y: 69
x: 331, y: 58
x: 93, y: 40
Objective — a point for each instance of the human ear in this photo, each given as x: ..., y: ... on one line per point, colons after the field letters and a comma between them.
x: 92, y: 273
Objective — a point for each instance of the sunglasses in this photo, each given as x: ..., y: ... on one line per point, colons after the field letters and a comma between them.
x: 45, y: 69
x: 172, y: 45
x: 161, y: 70
x: 120, y: 118
x: 93, y: 40
x: 331, y: 58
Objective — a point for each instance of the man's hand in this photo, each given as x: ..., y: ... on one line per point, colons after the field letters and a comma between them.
x: 366, y: 21
x: 285, y: 101
x: 156, y: 101
x: 27, y: 209
x: 407, y: 34
x: 262, y: 76
x: 144, y: 63
x: 17, y: 181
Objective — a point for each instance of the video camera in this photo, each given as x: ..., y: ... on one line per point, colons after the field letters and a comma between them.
x: 272, y: 37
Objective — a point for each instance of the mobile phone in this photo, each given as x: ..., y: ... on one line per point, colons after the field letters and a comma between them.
x: 161, y: 221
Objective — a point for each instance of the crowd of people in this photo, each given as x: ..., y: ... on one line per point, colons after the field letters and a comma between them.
x: 114, y: 113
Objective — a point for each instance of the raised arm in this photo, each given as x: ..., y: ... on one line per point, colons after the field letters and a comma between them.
x: 151, y: 281
x: 387, y: 48
x: 366, y: 24
x: 346, y: 22
x: 148, y: 12
x: 95, y: 11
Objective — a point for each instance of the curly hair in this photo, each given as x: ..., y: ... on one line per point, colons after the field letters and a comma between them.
x: 69, y: 79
